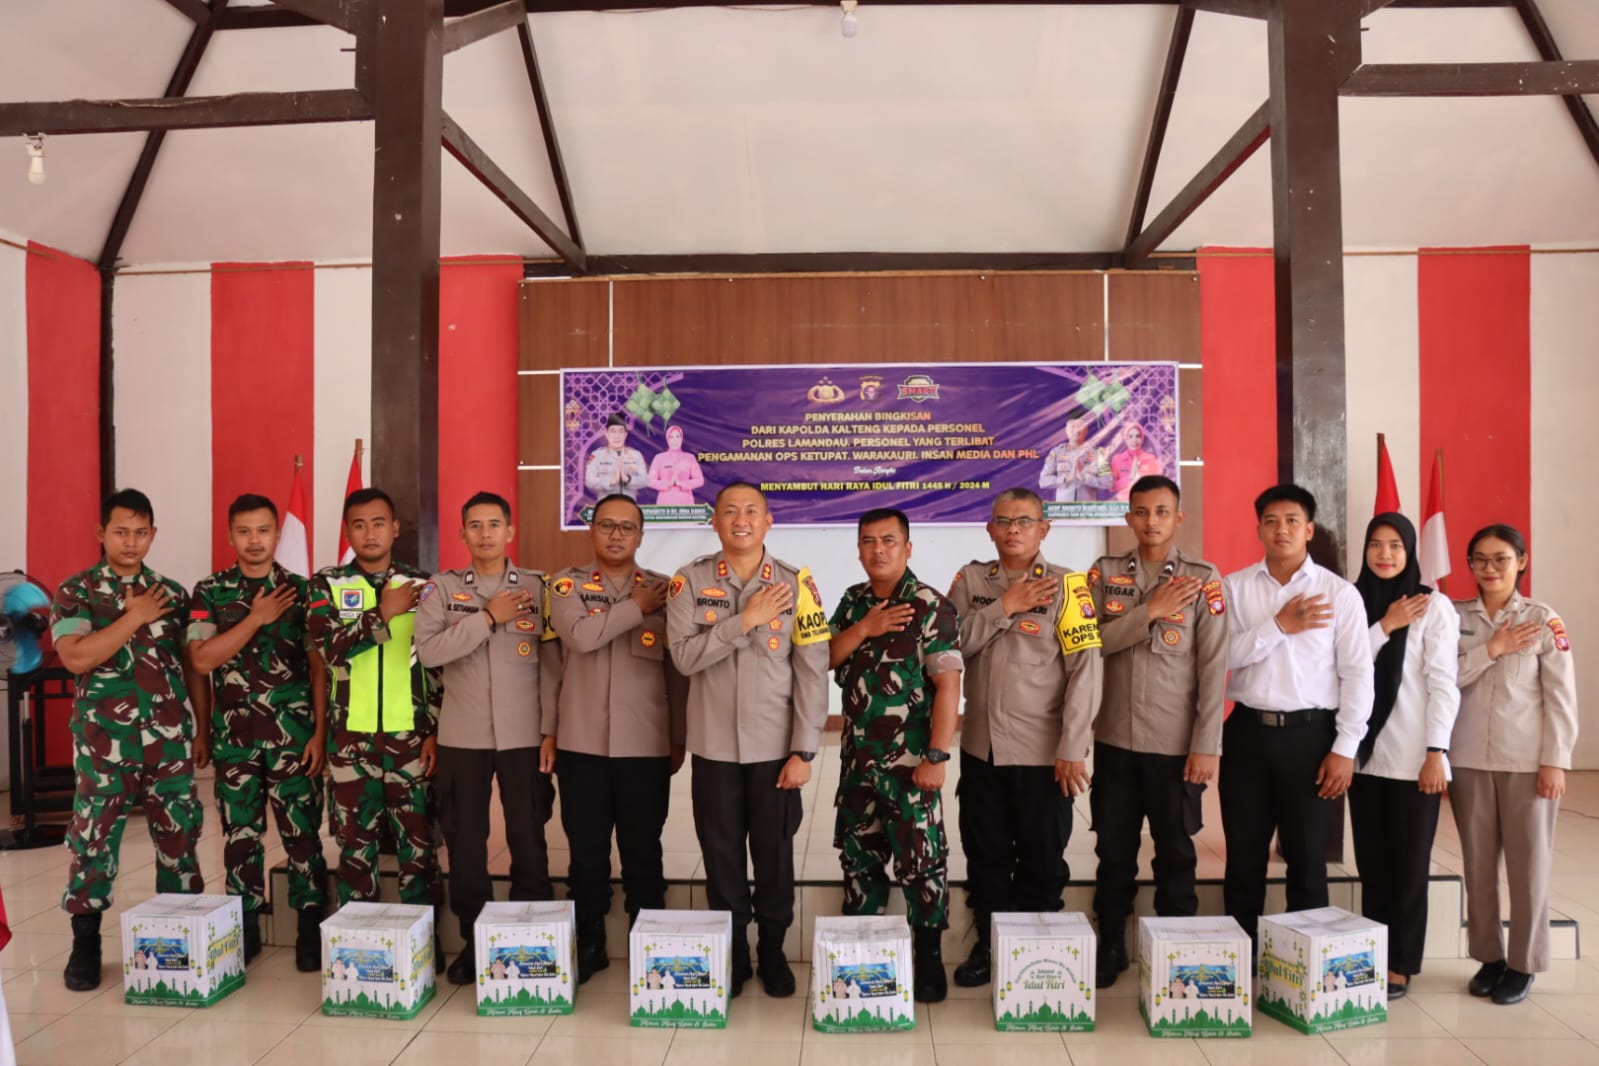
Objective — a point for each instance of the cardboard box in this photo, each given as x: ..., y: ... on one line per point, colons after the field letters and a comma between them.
x: 1043, y: 973
x: 678, y: 969
x: 861, y: 975
x: 1194, y: 977
x: 182, y: 951
x: 1323, y: 970
x: 524, y: 954
x: 377, y: 960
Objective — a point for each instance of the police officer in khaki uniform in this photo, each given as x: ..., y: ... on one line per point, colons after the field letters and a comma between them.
x: 1032, y: 690
x: 615, y: 736
x: 616, y: 467
x: 1163, y: 621
x: 485, y: 625
x: 750, y: 633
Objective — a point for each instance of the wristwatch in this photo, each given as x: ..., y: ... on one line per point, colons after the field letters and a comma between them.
x: 804, y: 756
x: 936, y: 756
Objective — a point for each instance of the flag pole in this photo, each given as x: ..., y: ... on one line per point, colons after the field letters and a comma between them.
x: 299, y: 461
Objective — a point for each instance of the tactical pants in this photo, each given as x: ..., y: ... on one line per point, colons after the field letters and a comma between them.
x: 738, y: 805
x: 1130, y: 786
x: 881, y: 813
x: 527, y: 797
x: 248, y: 776
x: 164, y: 785
x: 1015, y: 825
x: 629, y: 795
x: 377, y: 778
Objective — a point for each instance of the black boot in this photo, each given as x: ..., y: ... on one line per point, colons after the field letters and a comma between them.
x: 308, y: 940
x: 776, y: 976
x: 740, y: 967
x: 463, y: 971
x: 591, y: 954
x: 931, y: 984
x: 83, y: 965
x: 251, y: 934
x: 975, y: 971
x: 1111, y: 962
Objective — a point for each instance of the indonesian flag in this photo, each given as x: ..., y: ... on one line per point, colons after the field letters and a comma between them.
x: 1387, y: 490
x: 294, y: 551
x: 351, y: 484
x: 1433, y: 547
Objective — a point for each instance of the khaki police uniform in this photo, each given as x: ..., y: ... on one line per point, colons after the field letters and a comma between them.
x: 619, y: 716
x: 1075, y: 472
x: 1517, y: 713
x: 606, y: 468
x: 1164, y: 695
x: 497, y: 680
x: 1028, y: 704
x: 754, y: 698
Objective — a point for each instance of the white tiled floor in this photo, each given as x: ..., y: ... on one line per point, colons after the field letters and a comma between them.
x: 275, y: 1017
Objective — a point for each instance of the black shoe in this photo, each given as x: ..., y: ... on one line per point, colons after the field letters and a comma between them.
x: 777, y: 977
x: 740, y: 969
x: 1398, y: 991
x: 975, y: 971
x: 1513, y: 987
x: 591, y: 954
x: 463, y: 971
x: 1111, y: 963
x: 251, y: 936
x: 1487, y: 979
x: 83, y: 965
x: 931, y: 984
x: 308, y: 940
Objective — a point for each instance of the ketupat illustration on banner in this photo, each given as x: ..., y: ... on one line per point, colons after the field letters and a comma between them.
x: 826, y: 442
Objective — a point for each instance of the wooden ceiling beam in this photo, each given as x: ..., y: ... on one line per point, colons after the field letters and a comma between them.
x: 722, y: 264
x: 552, y: 144
x: 484, y: 169
x: 469, y: 29
x: 1532, y: 18
x: 346, y: 15
x: 1176, y: 51
x: 193, y: 10
x: 1557, y: 78
x: 190, y: 113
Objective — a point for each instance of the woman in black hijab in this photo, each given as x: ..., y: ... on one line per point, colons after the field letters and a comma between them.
x: 1402, y: 767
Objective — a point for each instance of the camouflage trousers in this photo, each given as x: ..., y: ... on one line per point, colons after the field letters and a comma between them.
x: 377, y: 779
x: 164, y: 785
x: 248, y: 777
x: 881, y: 814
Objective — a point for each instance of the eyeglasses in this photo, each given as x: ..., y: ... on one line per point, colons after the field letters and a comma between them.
x: 608, y: 527
x: 1492, y: 562
x: 1023, y: 523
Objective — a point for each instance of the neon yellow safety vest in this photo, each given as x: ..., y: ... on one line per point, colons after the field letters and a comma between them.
x: 380, y: 699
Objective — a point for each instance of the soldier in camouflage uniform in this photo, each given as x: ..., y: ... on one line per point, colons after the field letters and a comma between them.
x: 119, y: 627
x: 269, y: 722
x: 896, y: 650
x: 384, y: 707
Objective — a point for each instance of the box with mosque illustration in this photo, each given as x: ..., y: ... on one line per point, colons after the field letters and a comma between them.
x: 1322, y: 970
x: 180, y: 950
x: 1043, y: 973
x: 861, y: 975
x: 377, y: 960
x: 524, y: 955
x: 1194, y: 977
x: 678, y: 969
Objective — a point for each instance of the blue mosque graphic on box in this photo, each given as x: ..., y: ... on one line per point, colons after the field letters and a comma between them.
x: 161, y: 953
x: 522, y: 961
x: 1351, y: 971
x: 364, y: 964
x: 865, y: 980
x: 677, y: 971
x: 1203, y: 981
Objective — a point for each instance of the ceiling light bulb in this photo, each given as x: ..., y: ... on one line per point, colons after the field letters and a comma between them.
x: 35, y: 158
x: 850, y: 25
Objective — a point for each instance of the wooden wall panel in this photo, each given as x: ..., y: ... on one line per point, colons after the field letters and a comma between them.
x: 539, y: 434
x: 1155, y: 317
x: 541, y: 542
x: 565, y: 323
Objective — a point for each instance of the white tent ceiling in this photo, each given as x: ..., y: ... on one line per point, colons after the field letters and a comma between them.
x: 704, y: 130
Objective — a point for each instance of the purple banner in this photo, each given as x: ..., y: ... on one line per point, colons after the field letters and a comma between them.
x: 828, y: 442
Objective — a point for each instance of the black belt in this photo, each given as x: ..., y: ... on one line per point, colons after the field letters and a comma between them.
x: 1286, y: 719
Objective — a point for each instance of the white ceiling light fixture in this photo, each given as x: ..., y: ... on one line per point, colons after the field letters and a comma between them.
x: 35, y: 142
x: 850, y: 25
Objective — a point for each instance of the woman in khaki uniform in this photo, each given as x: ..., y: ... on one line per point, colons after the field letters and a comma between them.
x: 1510, y: 750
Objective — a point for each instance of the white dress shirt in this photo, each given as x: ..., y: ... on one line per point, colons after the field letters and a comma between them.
x: 1429, y: 697
x: 1276, y: 671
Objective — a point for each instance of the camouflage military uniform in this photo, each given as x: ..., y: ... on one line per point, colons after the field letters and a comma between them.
x: 132, y: 740
x: 888, y: 720
x: 261, y: 721
x: 376, y: 771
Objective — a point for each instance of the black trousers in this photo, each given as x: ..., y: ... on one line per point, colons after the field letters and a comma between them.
x: 1394, y: 823
x: 600, y: 794
x: 1015, y: 825
x: 527, y: 797
x: 743, y: 818
x: 1130, y: 786
x: 1268, y: 784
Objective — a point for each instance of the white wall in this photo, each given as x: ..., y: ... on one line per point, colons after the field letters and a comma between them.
x: 14, y: 413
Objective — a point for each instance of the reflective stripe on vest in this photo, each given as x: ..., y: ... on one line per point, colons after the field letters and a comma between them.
x: 380, y: 677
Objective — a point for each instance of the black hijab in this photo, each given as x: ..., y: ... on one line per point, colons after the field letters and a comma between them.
x: 1378, y: 593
